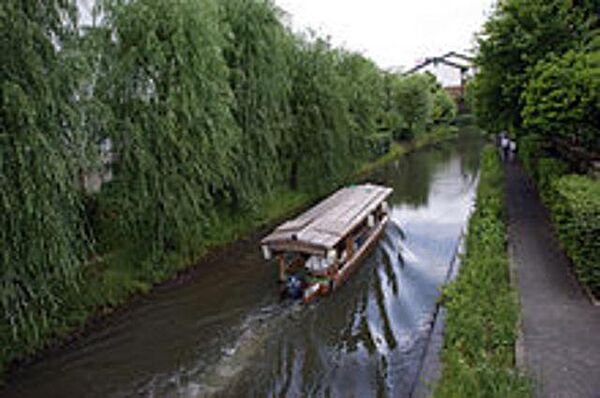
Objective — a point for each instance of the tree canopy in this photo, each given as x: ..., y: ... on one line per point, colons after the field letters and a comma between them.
x: 182, y: 113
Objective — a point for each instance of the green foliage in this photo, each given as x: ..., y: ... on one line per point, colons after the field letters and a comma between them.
x: 259, y: 59
x: 42, y: 240
x: 444, y: 107
x: 412, y: 98
x: 321, y: 134
x: 547, y: 171
x: 530, y: 148
x: 481, y: 326
x: 575, y: 210
x: 174, y: 133
x: 540, y: 74
x: 560, y: 101
x: 364, y: 91
x: 220, y: 119
x: 519, y: 34
x: 574, y: 204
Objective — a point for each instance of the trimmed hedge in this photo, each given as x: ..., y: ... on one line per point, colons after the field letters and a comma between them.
x: 575, y: 206
x: 480, y: 334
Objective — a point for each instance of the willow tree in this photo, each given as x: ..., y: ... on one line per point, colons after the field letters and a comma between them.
x: 174, y: 134
x: 258, y: 55
x: 364, y: 89
x: 42, y: 243
x: 317, y: 148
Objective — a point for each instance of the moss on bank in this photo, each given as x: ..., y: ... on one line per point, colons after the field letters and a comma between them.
x: 481, y: 326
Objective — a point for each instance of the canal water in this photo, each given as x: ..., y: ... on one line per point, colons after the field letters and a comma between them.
x: 224, y: 332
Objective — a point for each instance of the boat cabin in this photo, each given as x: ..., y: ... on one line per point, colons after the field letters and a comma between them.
x: 317, y: 250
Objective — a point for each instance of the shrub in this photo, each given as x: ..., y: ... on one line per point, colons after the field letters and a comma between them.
x: 576, y: 213
x: 547, y: 171
x: 444, y: 107
x: 560, y: 100
x: 413, y: 98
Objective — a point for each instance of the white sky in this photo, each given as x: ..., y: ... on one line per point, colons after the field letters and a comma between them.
x: 394, y: 33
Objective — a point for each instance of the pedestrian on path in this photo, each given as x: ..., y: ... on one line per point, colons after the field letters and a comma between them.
x: 512, y: 148
x: 504, y: 143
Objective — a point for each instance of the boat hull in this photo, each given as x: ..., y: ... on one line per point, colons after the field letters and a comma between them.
x: 339, y: 279
x: 342, y: 276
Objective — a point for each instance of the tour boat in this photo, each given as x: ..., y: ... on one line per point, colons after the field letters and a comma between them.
x: 317, y: 251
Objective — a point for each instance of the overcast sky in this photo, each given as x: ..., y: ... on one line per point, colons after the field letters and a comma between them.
x: 394, y: 33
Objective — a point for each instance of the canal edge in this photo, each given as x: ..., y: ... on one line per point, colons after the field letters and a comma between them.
x: 430, y: 368
x: 512, y: 274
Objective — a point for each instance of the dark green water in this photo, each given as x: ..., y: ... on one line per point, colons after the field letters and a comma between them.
x: 224, y: 331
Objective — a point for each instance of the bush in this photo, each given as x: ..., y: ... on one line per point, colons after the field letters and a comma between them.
x: 480, y: 334
x: 444, y: 107
x: 414, y: 101
x: 576, y: 214
x: 561, y: 100
x: 379, y: 144
x: 547, y: 171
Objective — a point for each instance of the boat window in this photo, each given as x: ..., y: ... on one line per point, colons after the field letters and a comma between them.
x: 317, y: 263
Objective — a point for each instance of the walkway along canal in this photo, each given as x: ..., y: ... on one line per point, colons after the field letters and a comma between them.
x: 225, y: 332
x: 561, y: 328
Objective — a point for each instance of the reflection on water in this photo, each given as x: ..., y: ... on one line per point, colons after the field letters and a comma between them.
x: 226, y: 334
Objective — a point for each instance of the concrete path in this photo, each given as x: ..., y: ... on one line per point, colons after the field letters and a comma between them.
x: 561, y: 328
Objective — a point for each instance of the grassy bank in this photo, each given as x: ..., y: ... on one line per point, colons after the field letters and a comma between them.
x: 436, y: 135
x: 481, y: 329
x: 111, y: 280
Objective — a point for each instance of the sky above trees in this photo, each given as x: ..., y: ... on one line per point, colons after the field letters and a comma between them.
x: 394, y: 33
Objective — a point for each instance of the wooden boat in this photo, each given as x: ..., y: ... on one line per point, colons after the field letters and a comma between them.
x: 317, y: 251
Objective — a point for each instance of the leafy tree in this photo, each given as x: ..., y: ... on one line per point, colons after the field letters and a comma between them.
x: 364, y: 89
x: 318, y: 149
x: 560, y: 101
x: 174, y: 134
x: 42, y: 242
x: 444, y: 107
x: 258, y: 55
x: 519, y: 34
x: 413, y: 100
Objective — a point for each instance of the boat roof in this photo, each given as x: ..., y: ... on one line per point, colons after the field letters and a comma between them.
x: 323, y: 226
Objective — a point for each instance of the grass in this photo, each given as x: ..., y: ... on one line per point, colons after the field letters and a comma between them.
x: 481, y: 328
x: 111, y: 280
x: 435, y: 135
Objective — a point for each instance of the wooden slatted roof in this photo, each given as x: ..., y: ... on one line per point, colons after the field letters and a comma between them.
x: 324, y: 225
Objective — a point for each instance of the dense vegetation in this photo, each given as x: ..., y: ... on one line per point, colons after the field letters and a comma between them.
x: 539, y: 78
x: 481, y: 326
x: 131, y: 144
x: 574, y: 204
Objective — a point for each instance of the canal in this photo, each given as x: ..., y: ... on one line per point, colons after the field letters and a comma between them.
x: 224, y: 332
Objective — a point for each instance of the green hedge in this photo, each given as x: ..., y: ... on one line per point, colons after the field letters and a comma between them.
x: 478, y: 354
x: 574, y: 204
x: 575, y: 207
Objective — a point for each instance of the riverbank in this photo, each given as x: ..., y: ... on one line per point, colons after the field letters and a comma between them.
x: 478, y: 357
x: 112, y: 281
